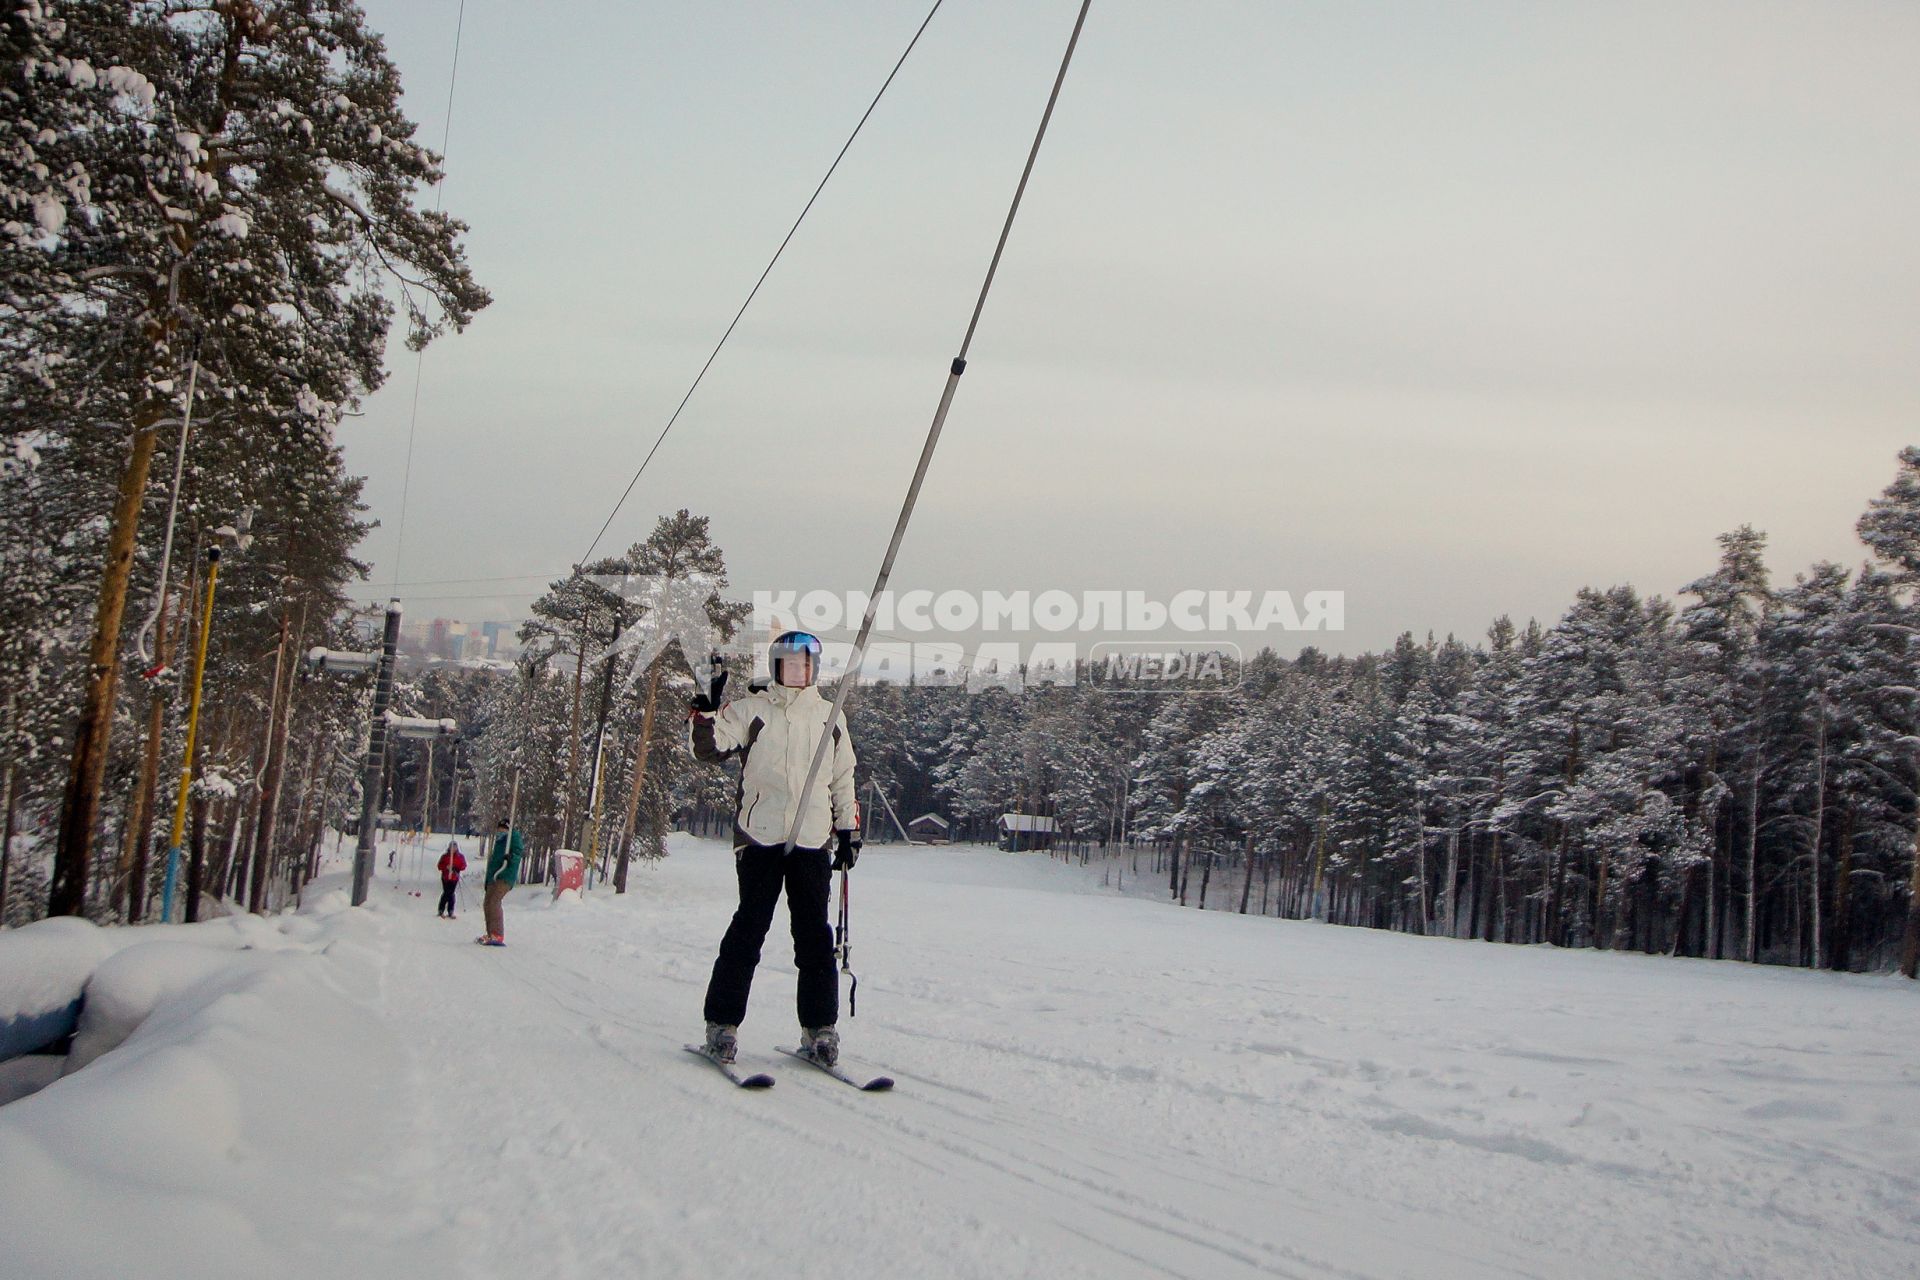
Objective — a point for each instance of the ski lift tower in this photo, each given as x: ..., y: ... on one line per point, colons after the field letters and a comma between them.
x: 325, y: 661
x: 430, y: 731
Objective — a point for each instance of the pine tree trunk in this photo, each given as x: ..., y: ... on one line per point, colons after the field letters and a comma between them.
x: 639, y: 780
x: 139, y: 873
x: 1360, y: 909
x: 215, y: 882
x: 129, y: 882
x: 1476, y: 892
x: 140, y: 824
x: 197, y: 859
x: 597, y: 780
x: 657, y: 823
x: 1753, y: 863
x: 279, y: 716
x: 1420, y: 869
x: 241, y: 874
x: 1910, y: 942
x: 1319, y: 862
x: 1601, y: 940
x: 1712, y: 947
x: 1552, y: 925
x: 1681, y: 913
x: 80, y: 808
x: 573, y: 737
x: 1841, y: 938
x: 1449, y: 906
x: 1815, y: 953
x: 6, y: 836
x: 1246, y: 883
x: 297, y: 832
x: 1496, y: 908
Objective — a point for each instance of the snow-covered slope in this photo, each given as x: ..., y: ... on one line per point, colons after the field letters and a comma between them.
x: 1089, y: 1085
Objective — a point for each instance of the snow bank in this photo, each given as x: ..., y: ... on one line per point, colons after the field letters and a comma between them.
x: 30, y: 1074
x: 144, y: 976
x: 44, y: 968
x: 235, y: 1081
x: 130, y: 987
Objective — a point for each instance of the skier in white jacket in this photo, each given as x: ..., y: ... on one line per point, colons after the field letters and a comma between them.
x: 775, y: 731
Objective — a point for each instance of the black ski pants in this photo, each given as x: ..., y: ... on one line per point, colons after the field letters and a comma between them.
x: 807, y: 877
x: 446, y: 896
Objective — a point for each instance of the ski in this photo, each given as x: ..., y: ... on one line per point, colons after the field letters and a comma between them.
x: 879, y: 1084
x: 759, y: 1080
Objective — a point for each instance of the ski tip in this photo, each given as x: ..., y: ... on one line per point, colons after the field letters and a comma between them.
x: 759, y: 1080
x: 879, y: 1084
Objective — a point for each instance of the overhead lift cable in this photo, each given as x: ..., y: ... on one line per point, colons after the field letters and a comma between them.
x: 419, y: 359
x: 958, y: 367
x: 751, y: 293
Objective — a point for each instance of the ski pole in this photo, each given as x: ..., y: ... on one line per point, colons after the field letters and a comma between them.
x: 843, y: 946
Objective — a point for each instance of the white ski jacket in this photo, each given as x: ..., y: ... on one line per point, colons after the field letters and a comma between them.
x: 777, y: 731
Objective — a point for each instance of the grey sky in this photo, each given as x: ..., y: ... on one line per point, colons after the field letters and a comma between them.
x: 1455, y: 307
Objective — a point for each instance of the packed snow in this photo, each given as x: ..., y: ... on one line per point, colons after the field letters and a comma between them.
x: 1090, y: 1084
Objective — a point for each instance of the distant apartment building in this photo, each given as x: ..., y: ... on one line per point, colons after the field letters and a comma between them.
x: 447, y: 638
x: 500, y: 638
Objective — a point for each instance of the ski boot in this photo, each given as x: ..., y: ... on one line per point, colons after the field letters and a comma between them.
x: 723, y: 1041
x: 822, y: 1044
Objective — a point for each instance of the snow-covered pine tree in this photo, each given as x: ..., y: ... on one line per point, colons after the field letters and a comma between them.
x: 234, y: 178
x: 1891, y: 527
x: 680, y: 547
x: 1719, y: 686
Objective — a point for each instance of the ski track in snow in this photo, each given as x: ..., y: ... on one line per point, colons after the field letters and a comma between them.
x: 1093, y: 1085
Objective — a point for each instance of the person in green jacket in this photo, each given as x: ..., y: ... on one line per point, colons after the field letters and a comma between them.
x: 503, y: 872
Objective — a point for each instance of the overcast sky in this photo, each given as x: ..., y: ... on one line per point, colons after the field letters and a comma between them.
x: 1453, y: 307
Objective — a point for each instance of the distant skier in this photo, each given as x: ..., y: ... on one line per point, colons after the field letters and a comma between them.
x: 503, y: 872
x: 776, y: 731
x: 452, y: 863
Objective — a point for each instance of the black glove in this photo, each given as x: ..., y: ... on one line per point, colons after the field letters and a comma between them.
x: 846, y: 849
x: 709, y: 702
